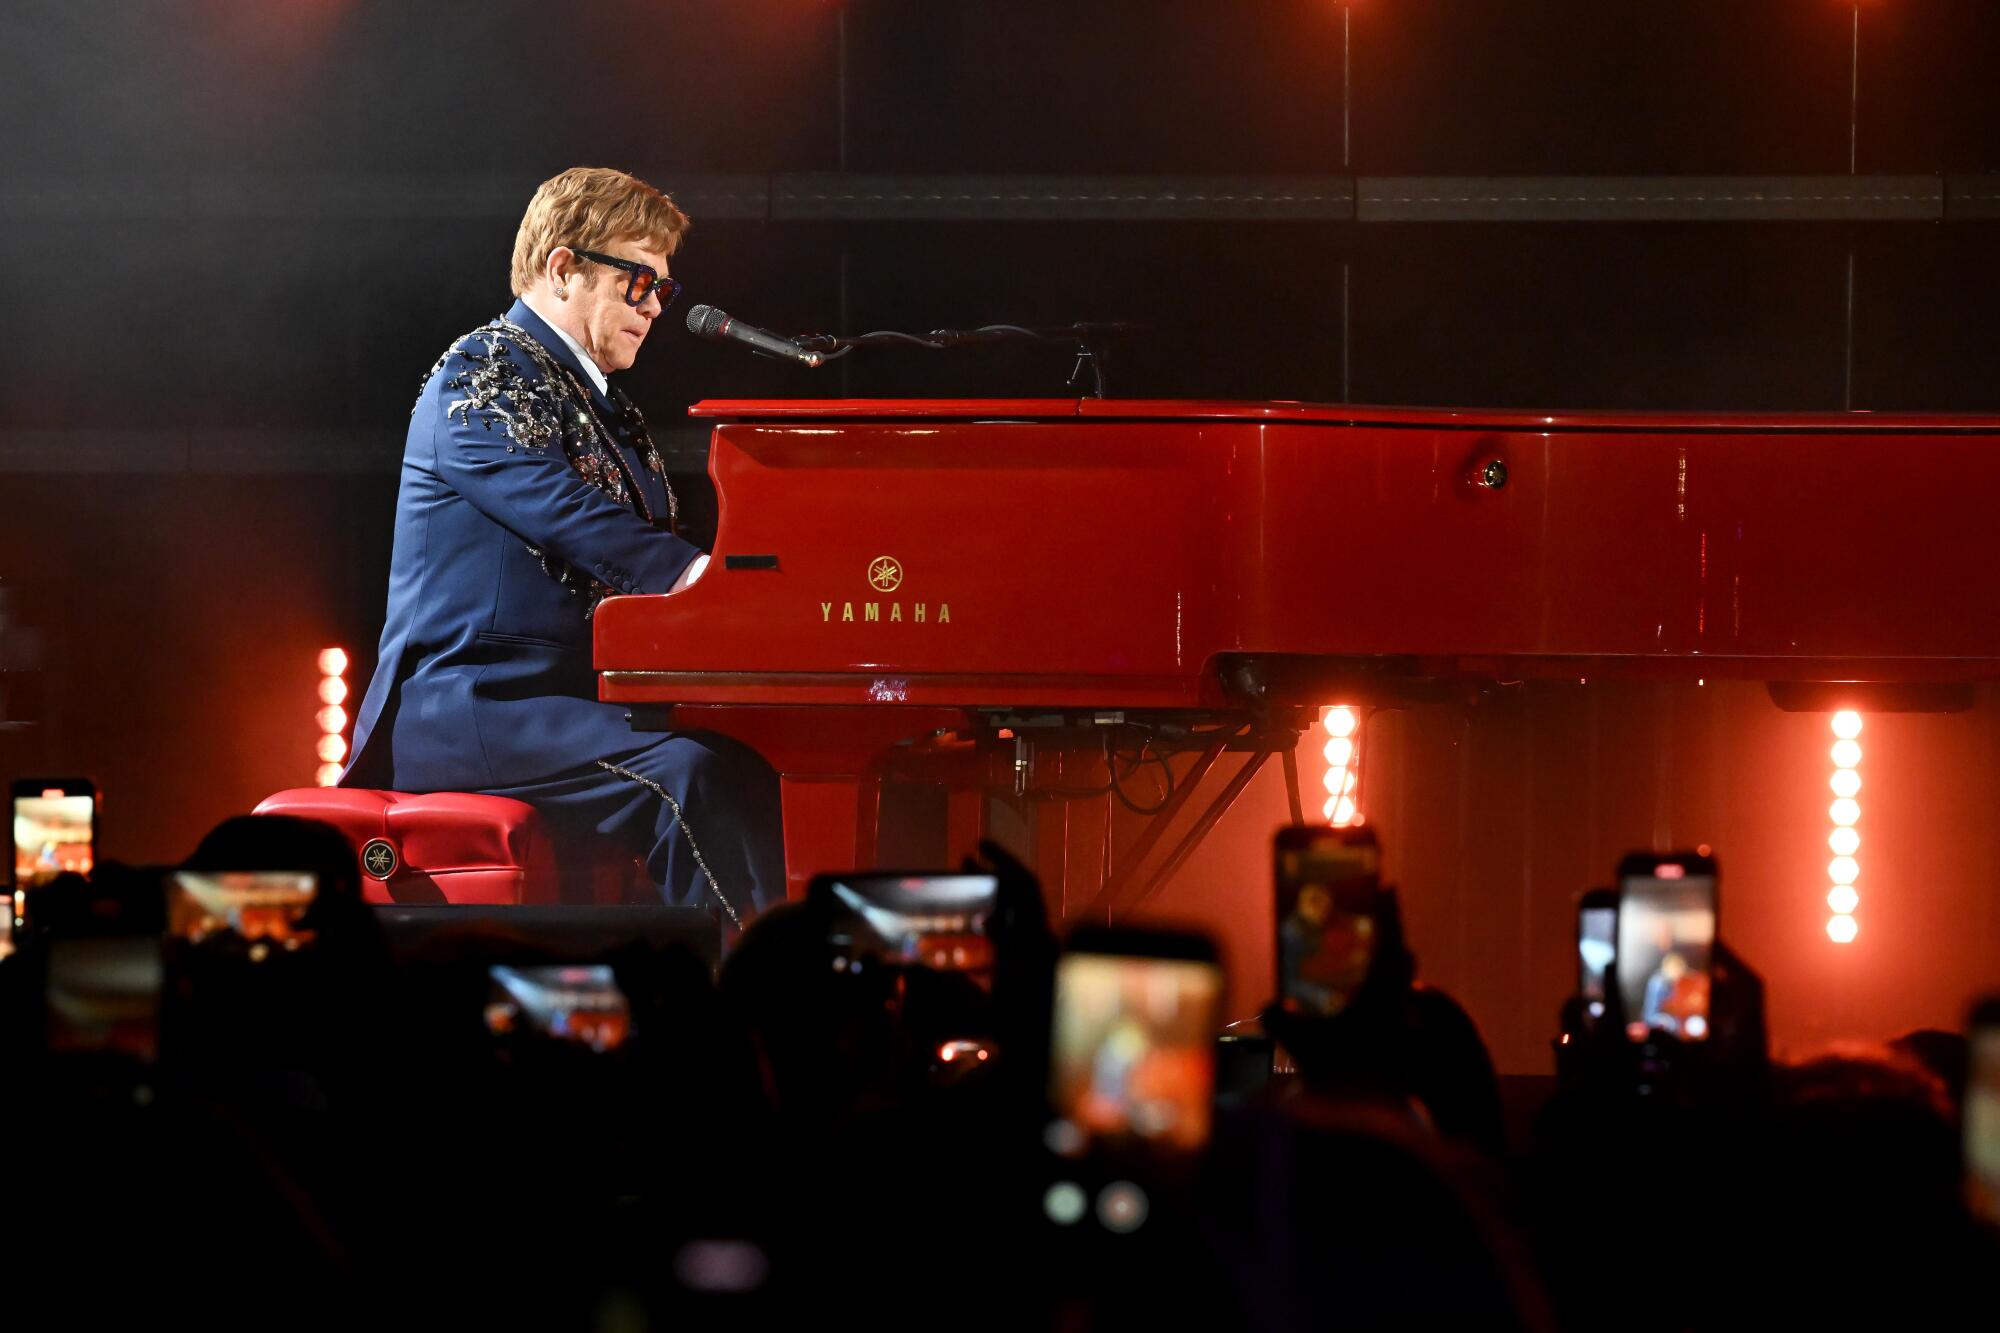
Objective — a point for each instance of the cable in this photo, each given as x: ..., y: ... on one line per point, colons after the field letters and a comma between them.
x: 1118, y: 786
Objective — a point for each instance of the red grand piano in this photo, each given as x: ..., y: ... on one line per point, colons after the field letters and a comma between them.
x: 1058, y: 597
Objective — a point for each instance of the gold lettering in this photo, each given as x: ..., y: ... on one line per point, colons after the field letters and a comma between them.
x: 944, y: 613
x: 872, y: 611
x: 825, y: 612
x: 918, y: 614
x: 895, y: 610
x: 847, y: 611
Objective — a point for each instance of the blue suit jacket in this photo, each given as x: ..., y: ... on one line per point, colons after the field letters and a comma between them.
x: 501, y: 548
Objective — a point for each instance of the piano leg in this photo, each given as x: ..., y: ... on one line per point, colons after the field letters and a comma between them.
x: 830, y: 824
x: 965, y: 821
x: 829, y: 763
x: 1069, y: 822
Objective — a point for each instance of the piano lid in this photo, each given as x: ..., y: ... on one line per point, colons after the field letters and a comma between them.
x: 1333, y: 414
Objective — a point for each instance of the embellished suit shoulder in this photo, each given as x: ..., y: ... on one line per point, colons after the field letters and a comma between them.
x: 502, y: 380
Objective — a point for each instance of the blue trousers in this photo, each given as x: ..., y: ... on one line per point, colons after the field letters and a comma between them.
x: 700, y: 809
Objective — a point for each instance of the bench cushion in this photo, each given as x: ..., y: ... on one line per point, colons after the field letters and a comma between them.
x: 436, y: 847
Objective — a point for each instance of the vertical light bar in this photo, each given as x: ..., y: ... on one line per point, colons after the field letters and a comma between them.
x: 332, y: 718
x: 1342, y: 725
x: 1845, y: 841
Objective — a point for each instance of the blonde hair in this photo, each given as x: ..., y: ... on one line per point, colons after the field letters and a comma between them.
x: 590, y: 208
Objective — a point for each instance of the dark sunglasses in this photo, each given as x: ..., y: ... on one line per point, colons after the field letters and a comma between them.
x: 644, y: 281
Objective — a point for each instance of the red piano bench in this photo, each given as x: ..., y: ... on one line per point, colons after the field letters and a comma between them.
x: 442, y: 847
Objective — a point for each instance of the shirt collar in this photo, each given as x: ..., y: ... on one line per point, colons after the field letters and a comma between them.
x: 583, y: 360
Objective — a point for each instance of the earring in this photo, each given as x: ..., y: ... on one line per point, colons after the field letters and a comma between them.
x: 562, y: 293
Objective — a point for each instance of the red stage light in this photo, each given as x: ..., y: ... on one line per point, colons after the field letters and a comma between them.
x: 1342, y: 752
x: 1845, y: 812
x: 332, y: 718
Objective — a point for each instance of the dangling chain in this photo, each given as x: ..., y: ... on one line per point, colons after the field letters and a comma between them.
x: 681, y: 815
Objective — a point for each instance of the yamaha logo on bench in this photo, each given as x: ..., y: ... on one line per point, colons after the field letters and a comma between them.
x: 379, y: 858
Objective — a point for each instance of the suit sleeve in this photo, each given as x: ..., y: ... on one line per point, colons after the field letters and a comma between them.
x: 486, y: 453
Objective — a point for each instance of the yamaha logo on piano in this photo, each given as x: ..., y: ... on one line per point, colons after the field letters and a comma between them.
x: 885, y: 574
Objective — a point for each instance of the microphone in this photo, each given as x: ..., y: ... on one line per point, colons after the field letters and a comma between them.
x: 705, y: 321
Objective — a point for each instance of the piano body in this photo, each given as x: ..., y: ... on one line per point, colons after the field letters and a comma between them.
x: 1038, y: 594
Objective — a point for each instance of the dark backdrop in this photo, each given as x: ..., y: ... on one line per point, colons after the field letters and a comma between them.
x: 235, y: 232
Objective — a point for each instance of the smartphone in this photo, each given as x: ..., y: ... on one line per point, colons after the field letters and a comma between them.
x: 934, y: 921
x: 566, y: 1003
x: 1982, y: 1112
x: 55, y: 830
x: 1132, y: 1060
x: 1666, y: 942
x: 1329, y: 894
x: 102, y: 996
x: 1596, y: 947
x: 257, y: 905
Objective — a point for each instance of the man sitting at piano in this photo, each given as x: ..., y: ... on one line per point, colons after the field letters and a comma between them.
x: 530, y: 491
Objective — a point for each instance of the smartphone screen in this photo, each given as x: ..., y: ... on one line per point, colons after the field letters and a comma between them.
x: 1328, y: 885
x: 936, y: 921
x: 103, y: 996
x: 265, y: 905
x: 1133, y: 1056
x: 1982, y: 1114
x: 1596, y: 947
x: 55, y: 830
x: 575, y: 1004
x: 1666, y: 943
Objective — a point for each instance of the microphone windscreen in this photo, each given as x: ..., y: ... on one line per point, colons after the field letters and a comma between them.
x: 704, y: 321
